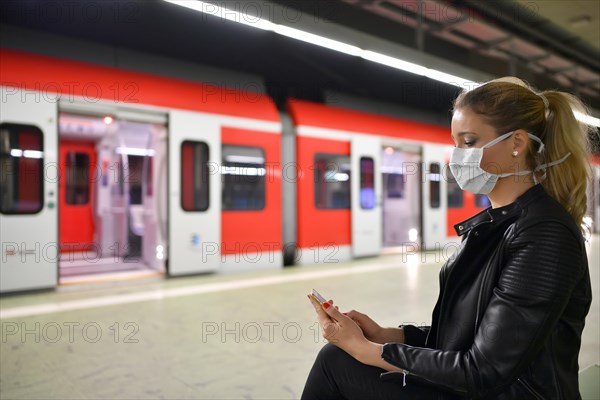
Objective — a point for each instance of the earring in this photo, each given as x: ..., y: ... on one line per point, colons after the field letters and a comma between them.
x: 515, y: 153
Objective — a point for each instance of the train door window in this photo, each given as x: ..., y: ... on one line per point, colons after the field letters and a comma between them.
x: 367, y: 184
x: 77, y: 185
x: 194, y: 176
x: 332, y: 181
x: 434, y: 185
x: 482, y: 201
x: 394, y: 185
x: 134, y: 172
x: 455, y: 193
x: 243, y: 175
x: 21, y: 169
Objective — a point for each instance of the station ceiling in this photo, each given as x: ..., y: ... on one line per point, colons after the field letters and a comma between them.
x: 552, y: 43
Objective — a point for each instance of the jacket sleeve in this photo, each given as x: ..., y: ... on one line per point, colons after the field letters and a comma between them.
x: 415, y: 335
x: 542, y: 265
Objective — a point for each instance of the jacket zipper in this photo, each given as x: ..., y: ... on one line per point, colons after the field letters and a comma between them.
x: 485, y: 274
x: 439, y: 324
x: 530, y: 389
x: 478, y: 310
x: 405, y: 373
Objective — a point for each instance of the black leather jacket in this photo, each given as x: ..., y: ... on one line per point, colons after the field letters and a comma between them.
x: 512, y: 305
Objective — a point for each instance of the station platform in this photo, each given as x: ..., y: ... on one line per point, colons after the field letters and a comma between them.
x: 243, y: 336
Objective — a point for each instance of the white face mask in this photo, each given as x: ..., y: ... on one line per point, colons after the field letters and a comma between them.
x: 466, y: 168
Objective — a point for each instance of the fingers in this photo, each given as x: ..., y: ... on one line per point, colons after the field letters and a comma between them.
x: 358, y: 317
x: 322, y: 316
x: 354, y: 314
x: 333, y: 312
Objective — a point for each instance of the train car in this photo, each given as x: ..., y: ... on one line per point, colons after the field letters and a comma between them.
x: 111, y: 173
x: 368, y: 182
x: 110, y: 170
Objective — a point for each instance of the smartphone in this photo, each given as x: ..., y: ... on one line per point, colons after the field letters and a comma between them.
x: 317, y: 296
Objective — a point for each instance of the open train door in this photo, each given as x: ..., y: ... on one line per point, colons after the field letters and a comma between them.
x: 28, y: 190
x: 366, y: 196
x: 194, y: 193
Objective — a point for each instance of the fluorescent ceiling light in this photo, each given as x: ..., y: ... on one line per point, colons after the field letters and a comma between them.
x: 434, y: 177
x: 33, y: 154
x: 450, y: 79
x: 260, y: 23
x: 245, y: 159
x: 333, y: 176
x: 134, y: 151
x: 318, y: 40
x: 246, y: 171
x: 393, y: 62
x: 26, y: 153
x: 587, y: 119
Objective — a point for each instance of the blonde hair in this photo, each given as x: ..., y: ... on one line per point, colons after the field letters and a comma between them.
x: 509, y: 103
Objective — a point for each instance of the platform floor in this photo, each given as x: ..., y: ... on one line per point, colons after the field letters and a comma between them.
x: 244, y: 336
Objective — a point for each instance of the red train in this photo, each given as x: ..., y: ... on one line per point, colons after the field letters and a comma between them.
x: 109, y: 172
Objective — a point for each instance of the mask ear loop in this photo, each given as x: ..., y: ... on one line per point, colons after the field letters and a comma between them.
x: 541, y: 167
x: 498, y: 139
x: 535, y: 178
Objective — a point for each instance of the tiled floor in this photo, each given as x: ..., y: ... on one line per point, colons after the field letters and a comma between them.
x: 247, y: 336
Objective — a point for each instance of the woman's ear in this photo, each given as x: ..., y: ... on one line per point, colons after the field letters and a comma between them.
x: 520, y: 142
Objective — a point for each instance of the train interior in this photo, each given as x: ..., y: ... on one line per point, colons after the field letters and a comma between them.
x: 112, y: 197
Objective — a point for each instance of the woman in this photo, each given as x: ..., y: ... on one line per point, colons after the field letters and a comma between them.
x: 513, y: 298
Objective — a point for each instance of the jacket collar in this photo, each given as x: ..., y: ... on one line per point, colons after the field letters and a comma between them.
x: 501, y: 213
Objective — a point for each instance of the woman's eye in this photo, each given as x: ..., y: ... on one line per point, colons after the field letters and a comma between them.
x: 469, y: 143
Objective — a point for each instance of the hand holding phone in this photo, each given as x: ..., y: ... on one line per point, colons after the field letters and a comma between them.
x: 317, y: 296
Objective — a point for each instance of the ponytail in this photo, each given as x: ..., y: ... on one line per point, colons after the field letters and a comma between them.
x: 509, y: 103
x: 563, y: 134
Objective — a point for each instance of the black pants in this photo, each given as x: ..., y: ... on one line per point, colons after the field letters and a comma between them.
x: 337, y: 375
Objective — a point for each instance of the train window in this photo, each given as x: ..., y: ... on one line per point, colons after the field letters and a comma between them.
x: 243, y: 176
x: 332, y: 181
x: 77, y: 182
x: 367, y: 184
x: 394, y: 185
x: 21, y: 169
x: 194, y: 176
x: 455, y: 193
x: 434, y: 185
x: 482, y: 201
